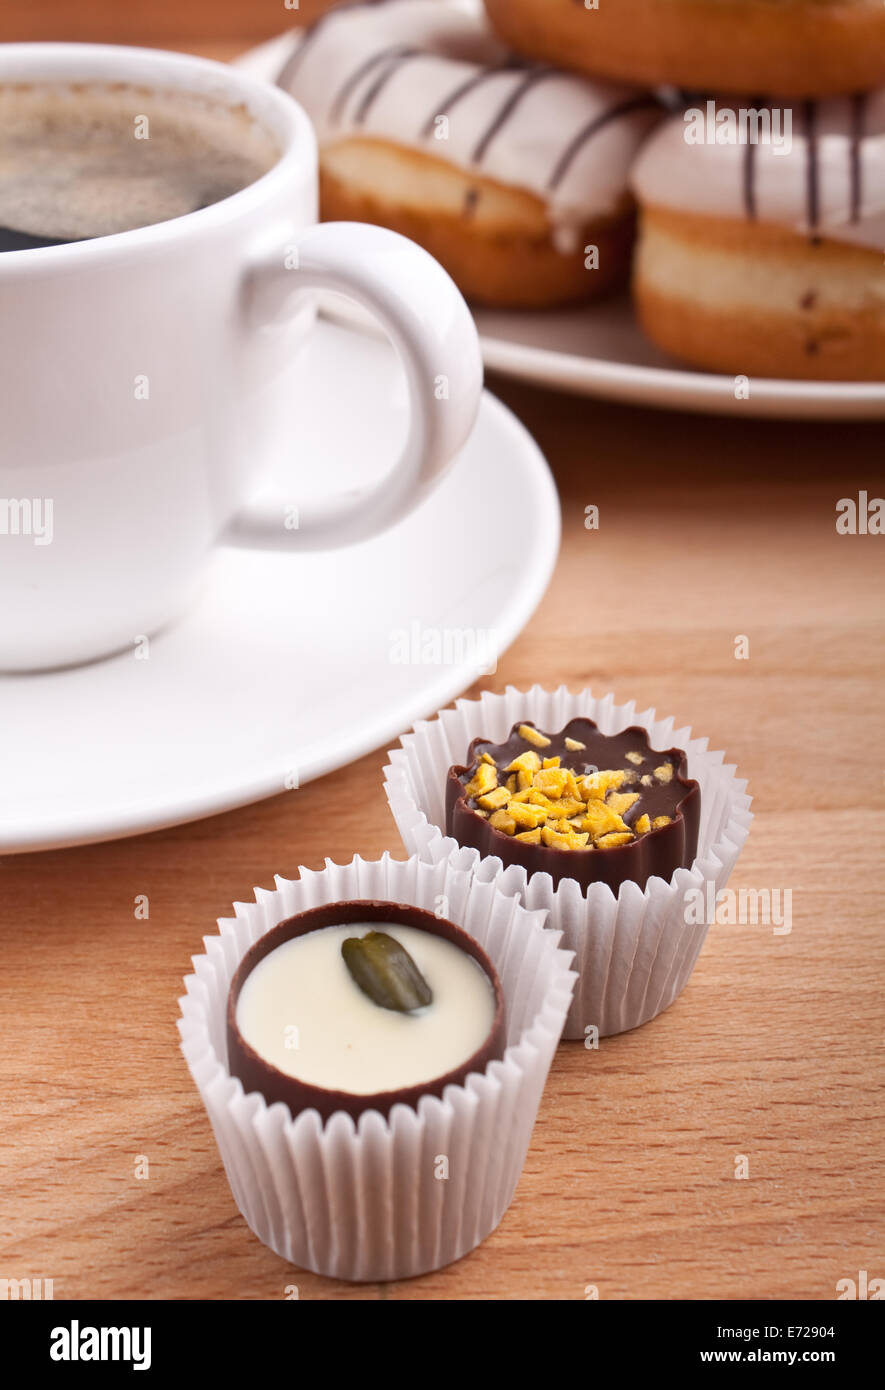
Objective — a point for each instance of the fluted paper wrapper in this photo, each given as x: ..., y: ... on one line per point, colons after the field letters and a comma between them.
x: 634, y: 949
x: 365, y: 1200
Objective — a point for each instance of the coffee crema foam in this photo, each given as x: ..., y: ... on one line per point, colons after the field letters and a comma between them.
x: 83, y: 160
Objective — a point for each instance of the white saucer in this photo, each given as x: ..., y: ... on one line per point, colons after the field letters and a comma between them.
x: 289, y: 666
x: 599, y: 350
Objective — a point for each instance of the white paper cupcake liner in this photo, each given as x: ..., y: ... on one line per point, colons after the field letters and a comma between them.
x: 634, y: 950
x: 364, y: 1200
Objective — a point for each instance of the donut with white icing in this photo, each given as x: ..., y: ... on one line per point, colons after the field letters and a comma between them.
x: 797, y: 48
x: 513, y: 175
x: 764, y: 256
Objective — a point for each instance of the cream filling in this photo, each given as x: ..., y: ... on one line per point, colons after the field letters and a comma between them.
x: 714, y: 279
x: 429, y: 188
x: 301, y: 1010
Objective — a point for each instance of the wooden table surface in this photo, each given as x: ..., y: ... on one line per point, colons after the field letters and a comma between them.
x: 709, y: 530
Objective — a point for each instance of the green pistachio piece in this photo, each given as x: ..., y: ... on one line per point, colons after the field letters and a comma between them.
x: 385, y: 971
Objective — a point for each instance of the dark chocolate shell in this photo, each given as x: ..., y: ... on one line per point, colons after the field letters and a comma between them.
x: 657, y: 853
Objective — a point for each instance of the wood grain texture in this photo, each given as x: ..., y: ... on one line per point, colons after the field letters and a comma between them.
x: 708, y: 529
x: 197, y: 24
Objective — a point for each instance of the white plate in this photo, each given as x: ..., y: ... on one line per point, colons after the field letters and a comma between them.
x: 599, y: 350
x: 289, y: 666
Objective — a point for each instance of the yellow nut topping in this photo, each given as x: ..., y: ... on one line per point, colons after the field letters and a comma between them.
x: 577, y: 839
x: 551, y: 781
x: 533, y: 736
x: 526, y: 762
x: 596, y: 785
x: 485, y: 779
x: 493, y: 801
x: 527, y: 816
x: 567, y: 806
x: 600, y: 819
x: 612, y: 841
x: 540, y: 802
x: 555, y: 839
x: 557, y: 782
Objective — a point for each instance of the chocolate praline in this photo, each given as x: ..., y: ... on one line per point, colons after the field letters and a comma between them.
x: 656, y: 852
x: 258, y: 1074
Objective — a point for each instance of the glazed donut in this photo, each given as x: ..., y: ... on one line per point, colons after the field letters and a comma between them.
x: 766, y: 259
x: 797, y: 48
x: 508, y: 173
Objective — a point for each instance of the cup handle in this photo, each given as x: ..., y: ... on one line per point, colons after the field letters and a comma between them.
x: 429, y: 324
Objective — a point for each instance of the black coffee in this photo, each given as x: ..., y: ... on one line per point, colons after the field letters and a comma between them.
x: 85, y: 160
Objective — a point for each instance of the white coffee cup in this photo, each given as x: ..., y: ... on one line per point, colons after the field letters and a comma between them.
x: 110, y: 505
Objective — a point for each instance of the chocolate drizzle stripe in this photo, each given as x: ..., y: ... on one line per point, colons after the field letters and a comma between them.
x: 341, y: 97
x: 858, y: 123
x: 591, y: 128
x: 812, y: 173
x: 309, y: 33
x: 294, y: 59
x: 750, y: 180
x: 749, y: 168
x: 377, y: 87
x: 463, y: 90
x: 535, y: 76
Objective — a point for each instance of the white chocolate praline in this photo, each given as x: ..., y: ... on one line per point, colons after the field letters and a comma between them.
x: 710, y: 179
x: 353, y: 78
x: 301, y: 1010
